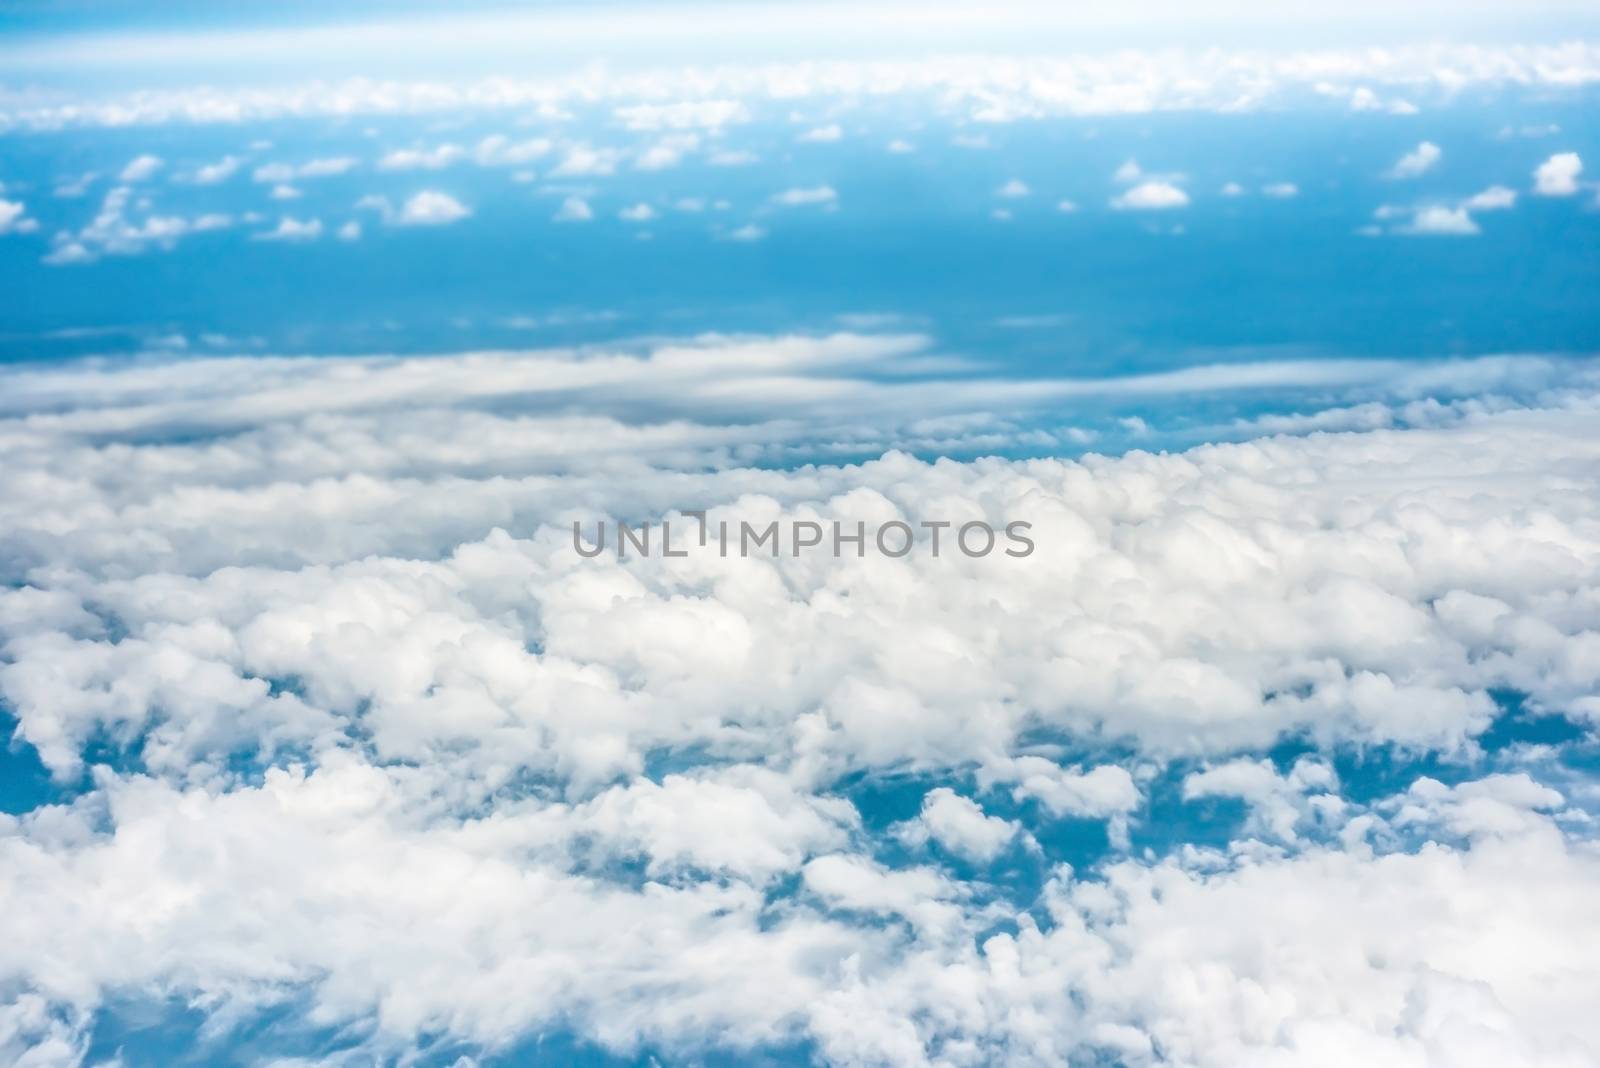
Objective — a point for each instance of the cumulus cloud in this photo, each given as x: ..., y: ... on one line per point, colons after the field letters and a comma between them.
x: 1013, y: 188
x: 574, y: 209
x: 430, y: 159
x: 1151, y: 196
x: 1558, y: 175
x: 14, y: 218
x: 292, y: 230
x: 1437, y: 220
x: 220, y: 171
x: 327, y: 614
x: 427, y: 208
x: 1494, y: 198
x: 1417, y: 162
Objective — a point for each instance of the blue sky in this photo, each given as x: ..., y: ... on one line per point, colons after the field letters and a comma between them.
x: 324, y: 324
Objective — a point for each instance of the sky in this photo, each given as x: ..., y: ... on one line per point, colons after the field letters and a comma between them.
x: 337, y: 342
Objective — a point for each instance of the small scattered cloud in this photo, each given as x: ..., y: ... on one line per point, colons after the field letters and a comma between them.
x: 141, y: 168
x: 1232, y: 189
x: 431, y: 208
x: 821, y: 195
x: 350, y: 231
x: 14, y: 218
x: 1417, y: 162
x: 822, y: 134
x: 574, y: 209
x: 1439, y: 221
x: 582, y: 161
x: 215, y: 173
x: 747, y: 232
x: 285, y: 192
x: 1066, y: 206
x: 292, y: 230
x: 1281, y: 190
x: 280, y: 173
x: 1495, y: 198
x: 900, y: 147
x: 1153, y: 195
x: 423, y: 159
x: 1014, y: 188
x: 1558, y: 175
x: 640, y: 212
x: 727, y: 157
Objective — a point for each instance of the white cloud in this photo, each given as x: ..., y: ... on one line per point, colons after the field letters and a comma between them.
x: 14, y: 217
x: 747, y: 232
x: 900, y: 147
x: 1558, y: 175
x: 141, y: 168
x: 812, y: 195
x: 293, y: 230
x: 1280, y: 190
x: 683, y: 115
x: 1417, y: 162
x: 574, y: 209
x: 583, y: 161
x: 667, y: 152
x: 959, y: 825
x: 1232, y: 189
x: 428, y: 159
x: 1066, y: 206
x: 497, y: 150
x: 431, y: 208
x: 822, y: 134
x: 1013, y: 188
x: 350, y: 231
x: 285, y: 192
x: 640, y: 212
x: 1494, y: 198
x: 1151, y: 196
x: 280, y: 173
x: 1441, y: 221
x: 220, y: 171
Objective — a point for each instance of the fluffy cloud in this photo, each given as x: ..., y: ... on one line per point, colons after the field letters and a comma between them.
x: 1151, y: 196
x: 1558, y: 175
x: 292, y: 230
x: 1417, y: 162
x: 387, y: 749
x: 279, y: 173
x: 1439, y: 220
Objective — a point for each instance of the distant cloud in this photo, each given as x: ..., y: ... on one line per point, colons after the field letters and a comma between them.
x: 1130, y: 171
x: 667, y: 152
x: 1417, y: 162
x: 1495, y: 198
x: 1281, y: 190
x: 290, y: 229
x: 431, y: 208
x: 429, y: 159
x: 141, y: 168
x: 726, y: 157
x: 1558, y: 175
x: 350, y: 231
x: 822, y: 134
x: 498, y: 150
x: 574, y: 209
x: 285, y: 192
x: 747, y: 232
x: 1232, y: 189
x: 1014, y: 188
x: 1066, y: 206
x: 1151, y: 196
x: 220, y: 171
x: 640, y: 212
x: 900, y: 147
x: 278, y: 173
x: 1441, y: 221
x: 14, y: 218
x: 583, y: 161
x: 821, y: 194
